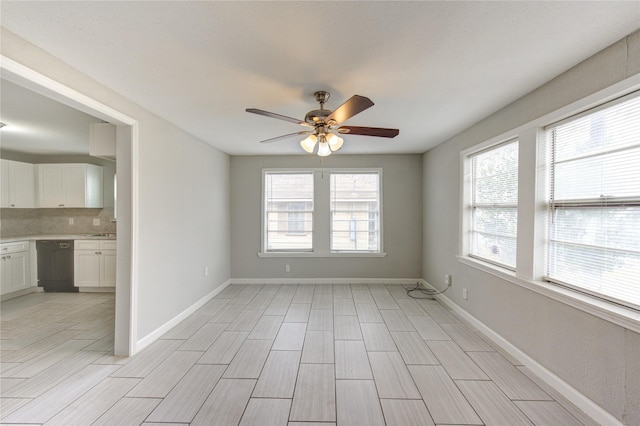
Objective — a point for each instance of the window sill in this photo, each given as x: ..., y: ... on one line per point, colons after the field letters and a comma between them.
x: 318, y: 254
x: 616, y: 314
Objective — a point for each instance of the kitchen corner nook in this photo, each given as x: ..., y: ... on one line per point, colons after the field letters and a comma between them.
x: 58, y: 233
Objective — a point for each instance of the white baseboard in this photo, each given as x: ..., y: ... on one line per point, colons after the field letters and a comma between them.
x: 158, y: 332
x: 400, y: 281
x: 96, y: 289
x: 13, y: 295
x: 589, y: 407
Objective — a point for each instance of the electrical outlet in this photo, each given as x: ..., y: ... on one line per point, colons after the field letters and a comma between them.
x: 206, y: 271
x: 447, y: 279
x: 96, y: 222
x: 287, y: 268
x: 465, y: 294
x: 70, y: 221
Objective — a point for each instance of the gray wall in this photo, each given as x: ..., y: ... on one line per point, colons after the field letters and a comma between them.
x: 596, y: 357
x: 183, y: 199
x: 184, y: 223
x: 402, y: 227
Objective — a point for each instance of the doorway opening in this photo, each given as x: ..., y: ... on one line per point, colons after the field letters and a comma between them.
x: 126, y: 208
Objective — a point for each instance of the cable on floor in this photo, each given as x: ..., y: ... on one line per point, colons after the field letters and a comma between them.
x: 429, y: 292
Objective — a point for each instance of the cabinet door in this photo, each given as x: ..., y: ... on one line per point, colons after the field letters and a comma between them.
x: 3, y: 275
x: 51, y: 185
x: 86, y: 268
x: 4, y: 182
x: 16, y: 271
x: 108, y: 269
x: 74, y: 185
x: 21, y: 185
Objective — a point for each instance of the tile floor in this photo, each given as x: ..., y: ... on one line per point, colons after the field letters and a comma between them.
x: 267, y: 355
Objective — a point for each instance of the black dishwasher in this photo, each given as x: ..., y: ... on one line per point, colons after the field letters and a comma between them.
x: 55, y: 265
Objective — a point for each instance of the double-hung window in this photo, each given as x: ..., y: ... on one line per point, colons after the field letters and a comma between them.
x: 288, y: 207
x: 355, y: 212
x: 594, y: 230
x: 322, y: 213
x: 494, y: 204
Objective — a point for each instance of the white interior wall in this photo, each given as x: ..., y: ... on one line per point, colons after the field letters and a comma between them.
x: 596, y: 357
x: 182, y: 204
x: 183, y: 223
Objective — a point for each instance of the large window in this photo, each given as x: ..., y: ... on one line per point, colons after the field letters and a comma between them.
x: 494, y: 204
x: 594, y: 232
x: 288, y: 219
x: 567, y: 185
x: 355, y: 218
x: 322, y: 213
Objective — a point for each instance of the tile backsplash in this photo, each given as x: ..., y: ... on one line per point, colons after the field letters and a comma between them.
x: 14, y: 222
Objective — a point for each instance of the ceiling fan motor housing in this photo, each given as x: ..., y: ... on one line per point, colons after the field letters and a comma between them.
x: 317, y: 116
x: 321, y: 97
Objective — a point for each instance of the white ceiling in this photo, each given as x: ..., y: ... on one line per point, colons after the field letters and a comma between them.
x: 432, y: 68
x: 39, y: 125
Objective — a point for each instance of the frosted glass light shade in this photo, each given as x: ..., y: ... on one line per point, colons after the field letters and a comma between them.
x: 335, y: 142
x: 323, y: 149
x: 309, y: 143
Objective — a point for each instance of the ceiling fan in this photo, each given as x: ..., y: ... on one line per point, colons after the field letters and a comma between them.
x: 324, y: 125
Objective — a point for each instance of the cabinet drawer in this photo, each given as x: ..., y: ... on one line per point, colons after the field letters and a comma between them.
x: 95, y: 245
x: 108, y: 245
x: 14, y: 247
x: 86, y: 245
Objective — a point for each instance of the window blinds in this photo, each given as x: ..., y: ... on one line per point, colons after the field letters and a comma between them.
x: 494, y: 204
x: 355, y: 218
x: 594, y: 232
x: 288, y: 222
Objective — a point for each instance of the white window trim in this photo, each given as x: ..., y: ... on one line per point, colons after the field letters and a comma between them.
x: 580, y: 203
x: 378, y: 252
x: 263, y: 230
x: 533, y: 211
x: 321, y: 255
x: 467, y: 200
x: 320, y: 240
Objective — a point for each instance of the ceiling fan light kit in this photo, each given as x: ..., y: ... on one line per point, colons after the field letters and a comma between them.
x: 323, y: 149
x: 327, y: 143
x: 309, y: 143
x: 324, y: 124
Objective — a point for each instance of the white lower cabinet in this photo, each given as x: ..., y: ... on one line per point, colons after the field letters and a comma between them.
x: 94, y: 263
x: 15, y: 273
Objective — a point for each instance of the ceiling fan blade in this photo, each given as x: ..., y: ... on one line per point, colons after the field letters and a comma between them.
x: 369, y: 131
x: 290, y: 135
x: 355, y: 105
x: 278, y: 116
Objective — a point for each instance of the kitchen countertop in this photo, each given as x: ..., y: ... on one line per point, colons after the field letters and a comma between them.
x: 37, y: 237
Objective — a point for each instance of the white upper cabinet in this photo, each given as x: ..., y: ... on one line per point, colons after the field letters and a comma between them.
x: 4, y: 182
x: 70, y: 185
x: 18, y: 184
